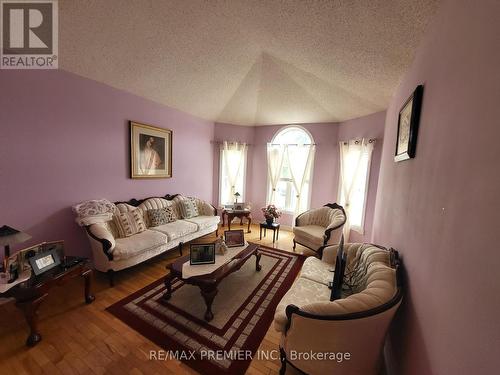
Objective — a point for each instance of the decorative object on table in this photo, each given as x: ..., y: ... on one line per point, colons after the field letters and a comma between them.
x: 270, y: 213
x: 239, y: 206
x: 23, y: 255
x: 236, y: 195
x: 234, y: 238
x: 44, y: 261
x: 202, y: 253
x: 220, y: 246
x: 58, y: 246
x: 10, y: 236
x: 228, y: 206
x: 408, y: 120
x: 150, y: 151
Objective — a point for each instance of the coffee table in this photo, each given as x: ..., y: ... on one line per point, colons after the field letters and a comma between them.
x: 208, y: 282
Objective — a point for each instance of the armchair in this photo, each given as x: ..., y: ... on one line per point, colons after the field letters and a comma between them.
x: 319, y: 227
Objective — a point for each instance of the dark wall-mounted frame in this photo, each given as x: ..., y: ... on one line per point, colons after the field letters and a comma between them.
x: 408, y: 120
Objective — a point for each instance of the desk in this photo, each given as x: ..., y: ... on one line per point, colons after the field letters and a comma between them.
x: 231, y: 214
x: 31, y: 293
x: 275, y: 227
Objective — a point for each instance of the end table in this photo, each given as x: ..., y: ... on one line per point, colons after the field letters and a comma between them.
x: 275, y: 227
x: 31, y: 293
x: 229, y: 215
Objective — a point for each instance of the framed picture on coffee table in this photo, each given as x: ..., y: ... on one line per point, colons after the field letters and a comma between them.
x: 150, y: 151
x: 202, y: 253
x: 234, y: 237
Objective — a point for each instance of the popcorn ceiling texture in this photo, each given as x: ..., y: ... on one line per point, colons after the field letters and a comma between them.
x: 247, y: 62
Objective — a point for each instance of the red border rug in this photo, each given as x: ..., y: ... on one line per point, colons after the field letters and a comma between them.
x: 209, y: 349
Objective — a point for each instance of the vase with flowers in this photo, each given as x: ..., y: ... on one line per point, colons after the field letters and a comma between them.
x: 270, y: 213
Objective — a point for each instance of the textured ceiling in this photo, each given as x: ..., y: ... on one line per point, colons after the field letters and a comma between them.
x: 247, y: 62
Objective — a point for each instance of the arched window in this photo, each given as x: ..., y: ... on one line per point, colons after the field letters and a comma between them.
x: 290, y: 158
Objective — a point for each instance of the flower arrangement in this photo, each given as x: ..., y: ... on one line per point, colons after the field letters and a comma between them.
x: 270, y: 212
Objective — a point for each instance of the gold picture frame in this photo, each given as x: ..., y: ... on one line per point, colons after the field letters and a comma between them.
x: 150, y: 151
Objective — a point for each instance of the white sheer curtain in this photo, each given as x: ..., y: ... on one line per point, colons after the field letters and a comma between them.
x: 232, y: 173
x: 300, y: 161
x: 275, y: 157
x: 355, y: 161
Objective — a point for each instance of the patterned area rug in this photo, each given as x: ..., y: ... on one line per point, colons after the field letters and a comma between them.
x: 243, y: 311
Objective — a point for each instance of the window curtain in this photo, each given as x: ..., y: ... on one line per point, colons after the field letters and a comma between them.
x: 233, y: 162
x: 300, y: 161
x: 355, y: 161
x: 275, y: 157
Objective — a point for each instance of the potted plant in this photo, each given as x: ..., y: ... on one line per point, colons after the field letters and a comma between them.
x: 270, y: 213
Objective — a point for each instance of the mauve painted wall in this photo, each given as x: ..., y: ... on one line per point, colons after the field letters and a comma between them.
x: 65, y: 139
x: 371, y: 126
x: 441, y: 209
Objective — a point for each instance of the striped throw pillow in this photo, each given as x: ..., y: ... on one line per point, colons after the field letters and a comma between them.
x: 130, y: 223
x: 189, y: 208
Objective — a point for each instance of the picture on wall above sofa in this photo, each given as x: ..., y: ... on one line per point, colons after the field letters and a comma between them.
x: 150, y: 151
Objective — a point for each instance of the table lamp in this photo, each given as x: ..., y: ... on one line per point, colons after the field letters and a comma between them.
x: 236, y: 195
x: 10, y: 236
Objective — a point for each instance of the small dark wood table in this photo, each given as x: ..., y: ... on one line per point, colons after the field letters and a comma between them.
x: 229, y: 215
x: 275, y: 227
x: 208, y: 282
x: 31, y: 293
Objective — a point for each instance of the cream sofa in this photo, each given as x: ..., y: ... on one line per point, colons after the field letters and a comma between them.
x: 111, y: 253
x: 319, y: 227
x: 356, y: 324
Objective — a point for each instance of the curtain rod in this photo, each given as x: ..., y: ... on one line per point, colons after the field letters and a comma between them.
x: 371, y: 140
x: 230, y: 142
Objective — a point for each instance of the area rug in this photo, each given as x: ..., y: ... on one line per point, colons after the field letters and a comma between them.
x: 243, y: 311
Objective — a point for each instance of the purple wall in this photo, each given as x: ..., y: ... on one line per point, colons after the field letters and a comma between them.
x: 371, y: 126
x: 65, y: 139
x: 441, y: 209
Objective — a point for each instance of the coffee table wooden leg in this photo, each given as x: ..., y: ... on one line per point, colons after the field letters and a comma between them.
x: 30, y: 311
x: 89, y: 297
x: 168, y: 284
x: 258, y: 267
x: 208, y: 294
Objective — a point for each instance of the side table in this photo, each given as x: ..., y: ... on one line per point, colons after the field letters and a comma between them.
x: 229, y: 215
x: 31, y: 293
x: 275, y: 227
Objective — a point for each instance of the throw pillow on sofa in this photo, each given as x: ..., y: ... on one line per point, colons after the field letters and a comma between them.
x: 130, y: 223
x: 189, y: 208
x: 160, y: 216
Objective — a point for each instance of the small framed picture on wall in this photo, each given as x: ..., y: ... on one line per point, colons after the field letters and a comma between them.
x: 408, y: 119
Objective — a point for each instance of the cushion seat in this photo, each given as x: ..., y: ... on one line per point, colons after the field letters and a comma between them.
x: 138, y: 243
x: 176, y: 229
x: 303, y: 292
x: 313, y: 234
x: 317, y: 270
x: 204, y: 222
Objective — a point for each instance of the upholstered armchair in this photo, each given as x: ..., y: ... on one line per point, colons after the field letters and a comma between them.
x: 319, y: 227
x: 353, y: 327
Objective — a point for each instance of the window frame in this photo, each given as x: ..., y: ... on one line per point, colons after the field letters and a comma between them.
x: 221, y: 171
x: 288, y: 180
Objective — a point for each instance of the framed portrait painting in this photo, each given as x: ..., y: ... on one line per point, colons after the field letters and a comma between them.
x: 408, y: 119
x: 150, y: 151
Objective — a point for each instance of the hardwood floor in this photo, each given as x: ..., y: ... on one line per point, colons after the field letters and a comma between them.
x: 85, y: 339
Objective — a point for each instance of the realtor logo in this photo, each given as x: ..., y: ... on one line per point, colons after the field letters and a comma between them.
x: 29, y: 34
